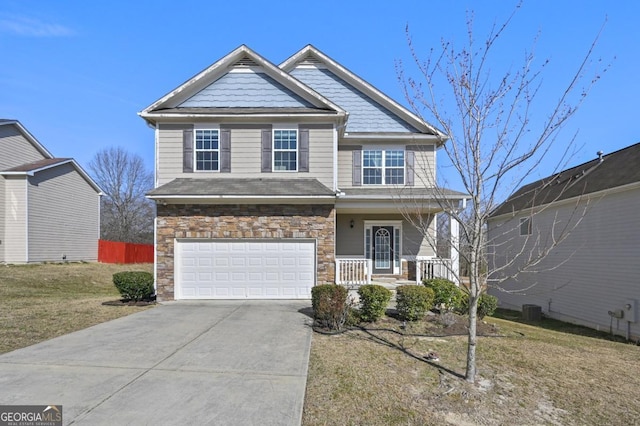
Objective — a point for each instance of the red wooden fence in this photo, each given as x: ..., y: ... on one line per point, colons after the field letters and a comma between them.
x: 117, y: 252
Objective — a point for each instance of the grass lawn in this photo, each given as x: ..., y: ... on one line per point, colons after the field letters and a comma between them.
x: 39, y: 302
x: 552, y: 373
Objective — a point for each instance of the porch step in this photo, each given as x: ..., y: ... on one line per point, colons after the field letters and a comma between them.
x: 391, y: 280
x: 391, y: 285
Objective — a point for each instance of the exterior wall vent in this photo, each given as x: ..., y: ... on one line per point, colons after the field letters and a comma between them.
x: 245, y: 62
x: 310, y: 60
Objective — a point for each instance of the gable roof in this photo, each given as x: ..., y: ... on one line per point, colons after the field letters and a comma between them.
x: 246, y: 59
x: 28, y: 136
x: 30, y: 169
x: 309, y: 56
x: 610, y: 171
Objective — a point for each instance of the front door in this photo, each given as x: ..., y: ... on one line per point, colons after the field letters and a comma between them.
x: 382, y: 249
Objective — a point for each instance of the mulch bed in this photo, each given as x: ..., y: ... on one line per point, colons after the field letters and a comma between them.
x: 435, y: 324
x: 125, y: 302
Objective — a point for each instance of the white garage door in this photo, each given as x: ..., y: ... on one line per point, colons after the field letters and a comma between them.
x: 245, y: 269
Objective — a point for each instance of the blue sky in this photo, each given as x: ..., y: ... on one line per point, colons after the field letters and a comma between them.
x: 76, y: 73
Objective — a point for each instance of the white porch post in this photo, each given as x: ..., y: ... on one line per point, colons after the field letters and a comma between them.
x: 454, y: 228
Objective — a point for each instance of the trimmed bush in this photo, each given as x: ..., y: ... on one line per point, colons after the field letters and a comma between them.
x: 413, y: 301
x: 448, y: 296
x: 487, y: 305
x: 374, y: 300
x: 134, y: 285
x: 330, y: 308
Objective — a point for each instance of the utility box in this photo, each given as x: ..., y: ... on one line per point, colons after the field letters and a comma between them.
x: 630, y: 309
x: 531, y: 313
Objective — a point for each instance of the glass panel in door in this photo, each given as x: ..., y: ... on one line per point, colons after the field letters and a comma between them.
x: 382, y: 243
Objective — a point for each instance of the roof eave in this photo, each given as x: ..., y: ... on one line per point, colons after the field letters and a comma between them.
x: 153, y: 117
x: 239, y: 197
x: 407, y: 136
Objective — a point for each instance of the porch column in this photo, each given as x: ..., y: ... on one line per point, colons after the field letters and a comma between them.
x: 454, y: 228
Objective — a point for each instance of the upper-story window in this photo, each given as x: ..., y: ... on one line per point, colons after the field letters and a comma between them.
x: 383, y: 167
x: 207, y: 149
x: 285, y: 150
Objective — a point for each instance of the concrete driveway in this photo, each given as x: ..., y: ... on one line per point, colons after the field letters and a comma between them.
x: 213, y: 362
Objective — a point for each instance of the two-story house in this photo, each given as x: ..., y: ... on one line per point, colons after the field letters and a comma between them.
x: 49, y: 207
x: 270, y: 179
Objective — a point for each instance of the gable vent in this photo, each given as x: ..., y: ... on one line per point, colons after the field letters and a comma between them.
x: 245, y: 62
x: 310, y: 60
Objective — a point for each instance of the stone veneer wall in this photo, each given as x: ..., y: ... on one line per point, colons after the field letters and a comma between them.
x: 242, y: 221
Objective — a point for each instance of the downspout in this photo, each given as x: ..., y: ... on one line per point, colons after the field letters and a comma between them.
x: 26, y: 221
x: 155, y: 154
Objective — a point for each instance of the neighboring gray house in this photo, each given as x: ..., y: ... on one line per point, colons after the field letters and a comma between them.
x: 49, y: 207
x: 593, y: 276
x: 270, y: 179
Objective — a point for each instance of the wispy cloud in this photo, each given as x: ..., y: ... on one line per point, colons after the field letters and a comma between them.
x: 30, y: 27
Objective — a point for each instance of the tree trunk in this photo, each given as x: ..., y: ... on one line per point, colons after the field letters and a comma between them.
x: 470, y: 375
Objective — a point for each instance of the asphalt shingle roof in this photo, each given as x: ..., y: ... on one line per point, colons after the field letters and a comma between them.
x: 242, y: 187
x: 28, y: 167
x: 402, y: 192
x: 616, y: 169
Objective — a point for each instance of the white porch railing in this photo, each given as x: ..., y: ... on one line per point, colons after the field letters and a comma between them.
x: 434, y: 268
x: 353, y: 271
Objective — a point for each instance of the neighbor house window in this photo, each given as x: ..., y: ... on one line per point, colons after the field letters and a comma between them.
x: 207, y: 149
x: 285, y: 150
x: 383, y: 167
x: 525, y: 226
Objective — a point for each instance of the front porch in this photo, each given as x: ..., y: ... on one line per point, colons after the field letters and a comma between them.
x: 359, y: 271
x: 390, y: 234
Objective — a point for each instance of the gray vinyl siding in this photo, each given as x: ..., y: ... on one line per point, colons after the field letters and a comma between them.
x: 345, y: 169
x: 600, y: 270
x: 424, y: 166
x: 350, y: 241
x: 15, y: 236
x: 321, y: 155
x: 57, y: 226
x: 246, y: 90
x: 2, y: 210
x: 365, y: 114
x: 15, y: 150
x: 169, y: 160
x: 246, y: 154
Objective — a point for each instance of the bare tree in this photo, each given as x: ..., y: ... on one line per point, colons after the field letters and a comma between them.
x: 493, y: 140
x: 126, y: 215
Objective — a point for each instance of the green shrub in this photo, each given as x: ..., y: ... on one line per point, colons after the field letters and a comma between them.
x: 330, y: 308
x: 487, y: 305
x: 134, y: 285
x: 374, y: 300
x: 413, y: 301
x: 448, y: 296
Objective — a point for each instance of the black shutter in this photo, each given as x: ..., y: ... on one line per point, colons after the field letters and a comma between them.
x: 357, y: 168
x: 187, y: 151
x: 266, y: 151
x: 303, y: 150
x: 225, y: 151
x: 409, y: 172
